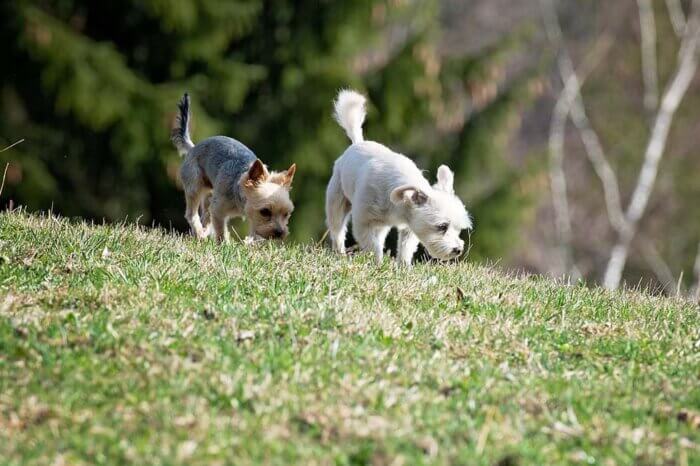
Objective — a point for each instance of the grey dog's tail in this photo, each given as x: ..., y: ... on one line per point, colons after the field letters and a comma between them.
x: 180, y: 135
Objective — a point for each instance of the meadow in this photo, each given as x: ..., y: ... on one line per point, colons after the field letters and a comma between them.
x: 121, y: 344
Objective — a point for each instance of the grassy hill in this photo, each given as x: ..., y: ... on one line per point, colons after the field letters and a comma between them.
x: 120, y: 344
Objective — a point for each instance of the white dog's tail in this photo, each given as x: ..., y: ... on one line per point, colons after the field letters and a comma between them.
x: 350, y: 113
x: 180, y: 135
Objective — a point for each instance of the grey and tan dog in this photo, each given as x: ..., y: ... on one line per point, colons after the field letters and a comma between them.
x: 238, y: 183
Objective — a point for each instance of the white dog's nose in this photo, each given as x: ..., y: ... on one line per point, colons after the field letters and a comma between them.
x: 457, y: 251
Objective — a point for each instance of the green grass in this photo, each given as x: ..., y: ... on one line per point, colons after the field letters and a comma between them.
x: 120, y: 344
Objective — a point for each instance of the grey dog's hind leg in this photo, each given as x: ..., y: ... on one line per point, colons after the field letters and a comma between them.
x: 205, y: 214
x: 195, y: 191
x: 193, y: 199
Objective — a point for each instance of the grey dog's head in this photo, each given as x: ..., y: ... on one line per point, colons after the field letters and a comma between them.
x: 268, y: 206
x: 437, y: 216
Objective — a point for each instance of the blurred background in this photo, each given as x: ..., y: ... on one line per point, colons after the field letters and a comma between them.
x: 573, y: 126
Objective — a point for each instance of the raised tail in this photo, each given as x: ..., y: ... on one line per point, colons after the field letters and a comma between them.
x: 180, y: 135
x: 350, y: 113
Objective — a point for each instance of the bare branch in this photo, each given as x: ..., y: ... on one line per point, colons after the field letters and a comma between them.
x: 647, y: 23
x: 570, y: 94
x: 590, y: 139
x: 675, y: 12
x: 2, y: 184
x: 556, y: 151
x: 558, y: 187
x: 599, y: 161
x: 688, y: 63
x: 626, y: 222
x: 12, y: 145
x: 657, y: 142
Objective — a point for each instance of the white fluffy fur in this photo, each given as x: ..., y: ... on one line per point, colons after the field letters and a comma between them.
x: 382, y: 189
x: 350, y: 113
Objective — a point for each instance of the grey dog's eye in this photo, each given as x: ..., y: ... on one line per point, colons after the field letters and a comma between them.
x: 265, y: 212
x: 442, y: 228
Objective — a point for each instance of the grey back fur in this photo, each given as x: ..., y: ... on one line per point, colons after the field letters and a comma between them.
x: 224, y: 159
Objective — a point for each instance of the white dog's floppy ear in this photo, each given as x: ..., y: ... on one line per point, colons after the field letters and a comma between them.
x: 408, y: 193
x: 445, y: 180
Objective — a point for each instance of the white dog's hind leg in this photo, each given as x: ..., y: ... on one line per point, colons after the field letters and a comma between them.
x: 337, y: 213
x: 407, y: 245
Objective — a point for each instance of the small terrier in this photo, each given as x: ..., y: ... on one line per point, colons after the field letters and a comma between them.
x: 382, y: 189
x: 238, y: 182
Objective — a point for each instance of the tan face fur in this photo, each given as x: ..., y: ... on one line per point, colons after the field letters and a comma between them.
x: 268, y: 206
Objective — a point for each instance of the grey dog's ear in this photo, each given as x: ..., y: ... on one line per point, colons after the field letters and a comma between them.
x: 285, y: 178
x: 408, y: 193
x: 289, y: 175
x: 256, y: 174
x: 445, y: 180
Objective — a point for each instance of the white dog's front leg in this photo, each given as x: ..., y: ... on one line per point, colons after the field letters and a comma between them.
x: 372, y: 238
x: 378, y: 248
x: 408, y: 243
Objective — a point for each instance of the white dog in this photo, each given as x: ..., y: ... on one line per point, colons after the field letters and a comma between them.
x: 382, y: 189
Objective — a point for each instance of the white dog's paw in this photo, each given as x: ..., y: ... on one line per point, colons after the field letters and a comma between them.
x: 353, y: 250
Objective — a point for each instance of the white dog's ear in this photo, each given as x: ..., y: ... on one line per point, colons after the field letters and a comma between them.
x: 445, y: 180
x: 408, y: 193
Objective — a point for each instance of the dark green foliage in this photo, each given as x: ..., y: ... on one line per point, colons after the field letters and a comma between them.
x: 93, y: 88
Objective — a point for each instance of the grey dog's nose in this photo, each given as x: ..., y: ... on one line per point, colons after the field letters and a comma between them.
x: 457, y: 251
x: 278, y: 233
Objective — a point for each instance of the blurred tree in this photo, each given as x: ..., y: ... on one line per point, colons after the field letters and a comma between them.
x: 634, y: 211
x: 93, y: 87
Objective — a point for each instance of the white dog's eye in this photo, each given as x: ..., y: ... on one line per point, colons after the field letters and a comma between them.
x: 443, y: 227
x: 265, y: 212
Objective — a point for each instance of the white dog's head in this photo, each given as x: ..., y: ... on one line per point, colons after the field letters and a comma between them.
x: 436, y: 216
